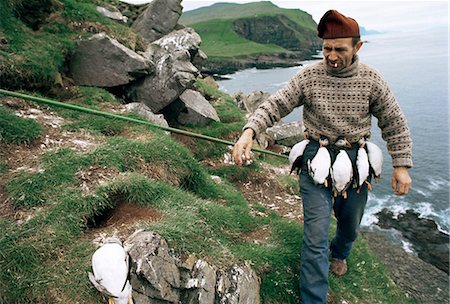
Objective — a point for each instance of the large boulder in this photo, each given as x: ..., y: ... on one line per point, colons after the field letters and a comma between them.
x: 159, y: 19
x: 287, y: 134
x: 174, y: 71
x: 195, y: 109
x: 103, y: 62
x: 159, y: 277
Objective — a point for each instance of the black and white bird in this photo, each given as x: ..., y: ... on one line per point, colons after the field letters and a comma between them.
x: 296, y: 156
x: 362, y: 166
x: 319, y: 166
x: 375, y: 159
x: 110, y: 268
x: 342, y: 169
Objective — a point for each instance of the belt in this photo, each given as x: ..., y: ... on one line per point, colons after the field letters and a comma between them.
x: 332, y: 141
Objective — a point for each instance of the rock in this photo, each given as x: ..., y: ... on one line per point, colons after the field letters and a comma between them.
x: 159, y: 18
x: 113, y: 13
x: 211, y: 82
x: 144, y: 111
x: 151, y: 261
x: 216, y: 179
x: 103, y: 62
x: 196, y: 110
x: 418, y: 279
x: 287, y: 134
x: 200, y: 285
x: 174, y: 72
x: 199, y: 59
x: 157, y: 277
x: 251, y: 101
x: 431, y: 245
x: 239, y: 285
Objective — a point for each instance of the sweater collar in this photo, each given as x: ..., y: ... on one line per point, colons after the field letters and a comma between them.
x: 349, y: 71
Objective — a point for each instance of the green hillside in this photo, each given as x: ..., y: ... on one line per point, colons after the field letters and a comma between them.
x: 234, y: 11
x: 231, y: 31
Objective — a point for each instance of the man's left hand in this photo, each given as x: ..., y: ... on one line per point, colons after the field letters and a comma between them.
x: 401, y: 181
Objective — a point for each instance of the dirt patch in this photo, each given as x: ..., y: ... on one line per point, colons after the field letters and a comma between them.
x: 158, y: 171
x: 265, y: 189
x: 259, y: 236
x: 121, y: 220
x: 94, y: 177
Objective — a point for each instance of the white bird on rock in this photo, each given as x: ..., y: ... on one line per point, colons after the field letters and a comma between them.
x: 319, y: 166
x: 296, y: 155
x: 110, y: 266
x: 375, y: 159
x: 342, y: 169
x: 362, y: 166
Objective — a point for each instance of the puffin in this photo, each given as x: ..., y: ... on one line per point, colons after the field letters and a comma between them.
x: 110, y: 272
x: 362, y: 166
x: 375, y: 159
x: 296, y: 155
x: 319, y: 166
x: 342, y: 169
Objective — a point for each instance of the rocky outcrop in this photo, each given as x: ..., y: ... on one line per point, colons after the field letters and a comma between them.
x: 418, y: 279
x: 174, y: 71
x: 279, y: 30
x: 263, y: 61
x: 103, y: 62
x: 159, y: 19
x: 159, y: 277
x: 431, y: 244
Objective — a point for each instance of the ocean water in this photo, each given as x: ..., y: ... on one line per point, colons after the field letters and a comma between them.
x: 415, y: 65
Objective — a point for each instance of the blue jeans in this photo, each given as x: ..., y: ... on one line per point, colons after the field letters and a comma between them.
x: 317, y: 208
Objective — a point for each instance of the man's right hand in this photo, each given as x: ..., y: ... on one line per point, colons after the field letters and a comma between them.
x: 244, y: 144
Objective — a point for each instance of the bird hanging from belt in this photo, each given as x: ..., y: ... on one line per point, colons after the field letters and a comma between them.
x: 319, y: 166
x: 296, y: 156
x: 342, y: 169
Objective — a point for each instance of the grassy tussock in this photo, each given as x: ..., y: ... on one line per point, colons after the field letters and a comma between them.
x: 17, y: 130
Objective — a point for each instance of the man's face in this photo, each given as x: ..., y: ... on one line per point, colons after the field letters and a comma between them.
x: 339, y: 52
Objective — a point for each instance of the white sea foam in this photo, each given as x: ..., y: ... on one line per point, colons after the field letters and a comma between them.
x: 399, y: 205
x: 421, y: 192
x: 408, y: 247
x: 436, y: 184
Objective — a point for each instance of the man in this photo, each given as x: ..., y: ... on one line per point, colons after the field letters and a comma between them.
x: 339, y: 95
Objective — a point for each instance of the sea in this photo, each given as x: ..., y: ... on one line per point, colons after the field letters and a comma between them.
x: 415, y: 65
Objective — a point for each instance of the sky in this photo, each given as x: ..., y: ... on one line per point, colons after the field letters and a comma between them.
x: 373, y: 15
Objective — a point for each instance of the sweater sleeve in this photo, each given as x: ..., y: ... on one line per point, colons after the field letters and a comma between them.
x: 277, y: 106
x: 393, y: 124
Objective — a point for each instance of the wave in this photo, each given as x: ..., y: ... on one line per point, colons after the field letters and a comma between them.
x: 399, y: 205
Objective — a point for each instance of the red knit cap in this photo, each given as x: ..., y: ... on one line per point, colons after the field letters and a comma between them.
x: 335, y: 25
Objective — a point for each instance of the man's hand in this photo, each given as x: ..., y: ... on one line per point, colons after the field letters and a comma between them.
x: 243, y: 144
x: 401, y: 182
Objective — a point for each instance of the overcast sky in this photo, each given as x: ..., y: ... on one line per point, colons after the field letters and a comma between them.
x: 375, y: 15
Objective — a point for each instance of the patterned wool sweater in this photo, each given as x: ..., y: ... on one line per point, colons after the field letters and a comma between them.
x: 340, y: 104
